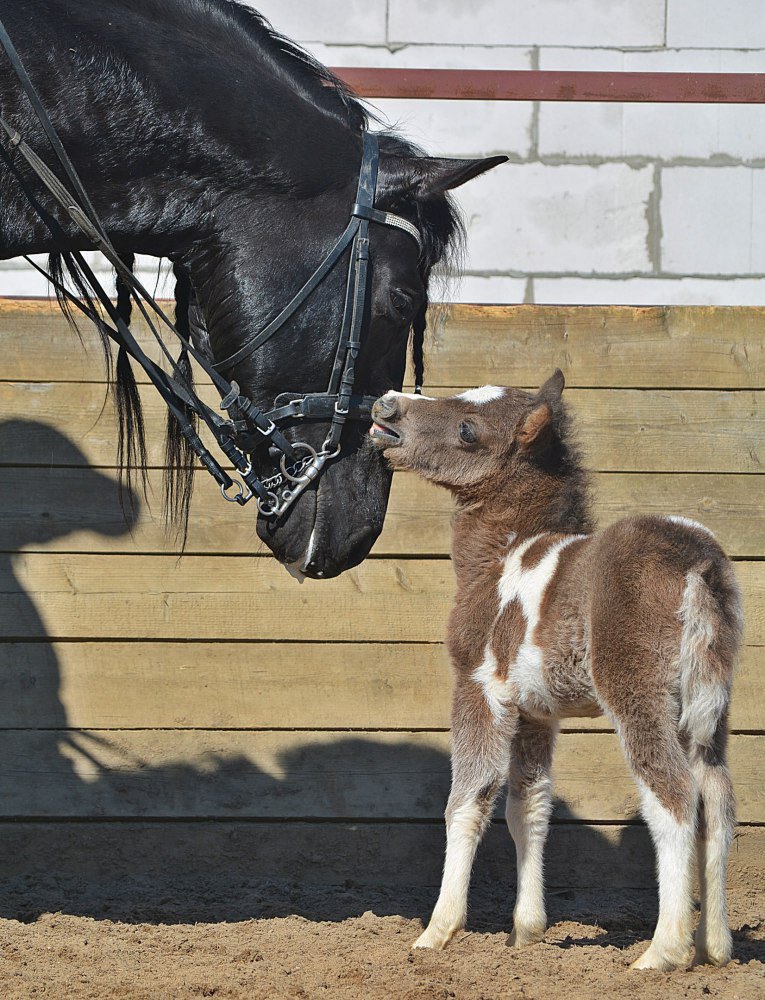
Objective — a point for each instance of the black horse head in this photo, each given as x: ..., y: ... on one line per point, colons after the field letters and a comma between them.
x: 204, y: 136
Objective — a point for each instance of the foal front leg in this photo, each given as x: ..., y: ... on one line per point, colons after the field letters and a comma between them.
x: 529, y: 804
x: 480, y: 749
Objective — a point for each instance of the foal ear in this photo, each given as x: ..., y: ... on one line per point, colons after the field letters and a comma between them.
x: 553, y: 388
x: 427, y: 176
x: 537, y: 429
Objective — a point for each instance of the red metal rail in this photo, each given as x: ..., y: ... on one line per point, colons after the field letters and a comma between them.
x: 554, y: 85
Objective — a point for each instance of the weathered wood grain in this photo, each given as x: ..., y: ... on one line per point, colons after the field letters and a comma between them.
x: 77, y: 510
x: 318, y: 685
x: 594, y: 345
x: 622, y: 430
x: 60, y: 595
x: 305, y: 775
x: 179, y: 861
x: 603, y: 346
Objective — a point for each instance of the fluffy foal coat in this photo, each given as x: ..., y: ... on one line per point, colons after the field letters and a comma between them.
x: 640, y: 622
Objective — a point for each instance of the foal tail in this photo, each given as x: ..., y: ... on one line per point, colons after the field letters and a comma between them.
x: 710, y: 640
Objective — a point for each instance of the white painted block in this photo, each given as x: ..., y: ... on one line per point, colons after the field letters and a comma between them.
x: 528, y: 22
x: 479, y: 290
x: 574, y: 219
x: 696, y: 61
x: 19, y: 278
x: 662, y: 60
x: 462, y: 128
x: 570, y: 129
x: 656, y: 131
x: 25, y: 283
x: 661, y: 131
x: 355, y: 22
x: 423, y: 56
x: 596, y: 60
x: 735, y: 24
x: 650, y: 291
x: 758, y: 221
x: 712, y: 220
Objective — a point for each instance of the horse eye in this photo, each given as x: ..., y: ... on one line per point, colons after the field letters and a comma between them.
x: 402, y: 302
x: 467, y: 434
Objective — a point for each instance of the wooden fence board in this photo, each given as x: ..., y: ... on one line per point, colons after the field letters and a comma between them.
x: 320, y: 685
x: 287, y: 775
x: 207, y: 597
x: 623, y: 430
x: 77, y: 510
x: 596, y: 345
x: 180, y: 861
x: 600, y: 346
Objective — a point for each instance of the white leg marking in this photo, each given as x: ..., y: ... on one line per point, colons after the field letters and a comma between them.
x: 674, y: 841
x: 462, y: 835
x: 527, y: 818
x: 714, y: 942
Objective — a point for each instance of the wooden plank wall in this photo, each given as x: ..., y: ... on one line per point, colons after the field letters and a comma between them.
x: 137, y: 688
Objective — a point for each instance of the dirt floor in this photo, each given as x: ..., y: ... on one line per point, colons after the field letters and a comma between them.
x: 352, y: 942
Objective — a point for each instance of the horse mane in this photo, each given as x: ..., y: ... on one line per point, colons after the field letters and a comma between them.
x: 244, y: 42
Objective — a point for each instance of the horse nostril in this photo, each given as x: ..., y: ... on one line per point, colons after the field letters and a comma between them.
x: 385, y: 407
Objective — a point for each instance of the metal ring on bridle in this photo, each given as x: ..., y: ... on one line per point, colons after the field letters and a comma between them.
x: 267, y: 507
x: 239, y: 491
x: 283, y: 461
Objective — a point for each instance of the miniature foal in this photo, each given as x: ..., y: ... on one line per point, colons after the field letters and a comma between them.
x: 640, y: 622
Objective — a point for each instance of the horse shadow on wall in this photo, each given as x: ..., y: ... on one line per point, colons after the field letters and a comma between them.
x: 170, y: 857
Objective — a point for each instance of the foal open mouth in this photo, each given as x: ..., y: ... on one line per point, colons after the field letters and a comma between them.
x: 384, y: 436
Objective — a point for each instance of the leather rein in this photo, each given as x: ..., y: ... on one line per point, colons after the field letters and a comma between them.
x: 245, y: 426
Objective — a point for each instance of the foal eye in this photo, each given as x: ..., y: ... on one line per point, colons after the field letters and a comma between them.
x: 467, y: 434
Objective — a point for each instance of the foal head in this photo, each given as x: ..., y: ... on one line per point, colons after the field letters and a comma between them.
x: 490, y: 444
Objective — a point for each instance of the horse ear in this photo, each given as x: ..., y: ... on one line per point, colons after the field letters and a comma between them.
x: 428, y: 176
x: 537, y: 429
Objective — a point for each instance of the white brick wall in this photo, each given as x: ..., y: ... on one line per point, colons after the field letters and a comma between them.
x: 601, y: 202
x: 531, y: 218
x: 527, y: 22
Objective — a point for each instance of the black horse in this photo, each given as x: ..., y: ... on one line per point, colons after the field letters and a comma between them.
x: 203, y: 136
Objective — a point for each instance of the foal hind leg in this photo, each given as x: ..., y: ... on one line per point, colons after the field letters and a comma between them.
x: 529, y: 804
x: 669, y: 798
x: 714, y: 942
x: 480, y: 750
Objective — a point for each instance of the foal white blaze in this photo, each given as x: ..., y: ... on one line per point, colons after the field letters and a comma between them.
x: 485, y: 394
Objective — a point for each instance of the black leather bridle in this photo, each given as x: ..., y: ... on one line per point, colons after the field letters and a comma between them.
x: 245, y: 427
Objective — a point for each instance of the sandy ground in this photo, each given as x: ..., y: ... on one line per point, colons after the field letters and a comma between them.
x: 353, y: 942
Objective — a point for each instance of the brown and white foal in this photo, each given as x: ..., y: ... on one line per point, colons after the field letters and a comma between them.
x: 640, y: 622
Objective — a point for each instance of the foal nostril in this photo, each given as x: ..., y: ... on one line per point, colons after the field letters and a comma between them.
x: 386, y: 407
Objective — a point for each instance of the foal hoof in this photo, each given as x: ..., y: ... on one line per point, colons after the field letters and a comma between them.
x: 709, y: 956
x: 519, y: 937
x: 658, y: 962
x: 433, y: 938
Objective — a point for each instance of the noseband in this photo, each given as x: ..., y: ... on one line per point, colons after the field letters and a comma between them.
x: 245, y: 427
